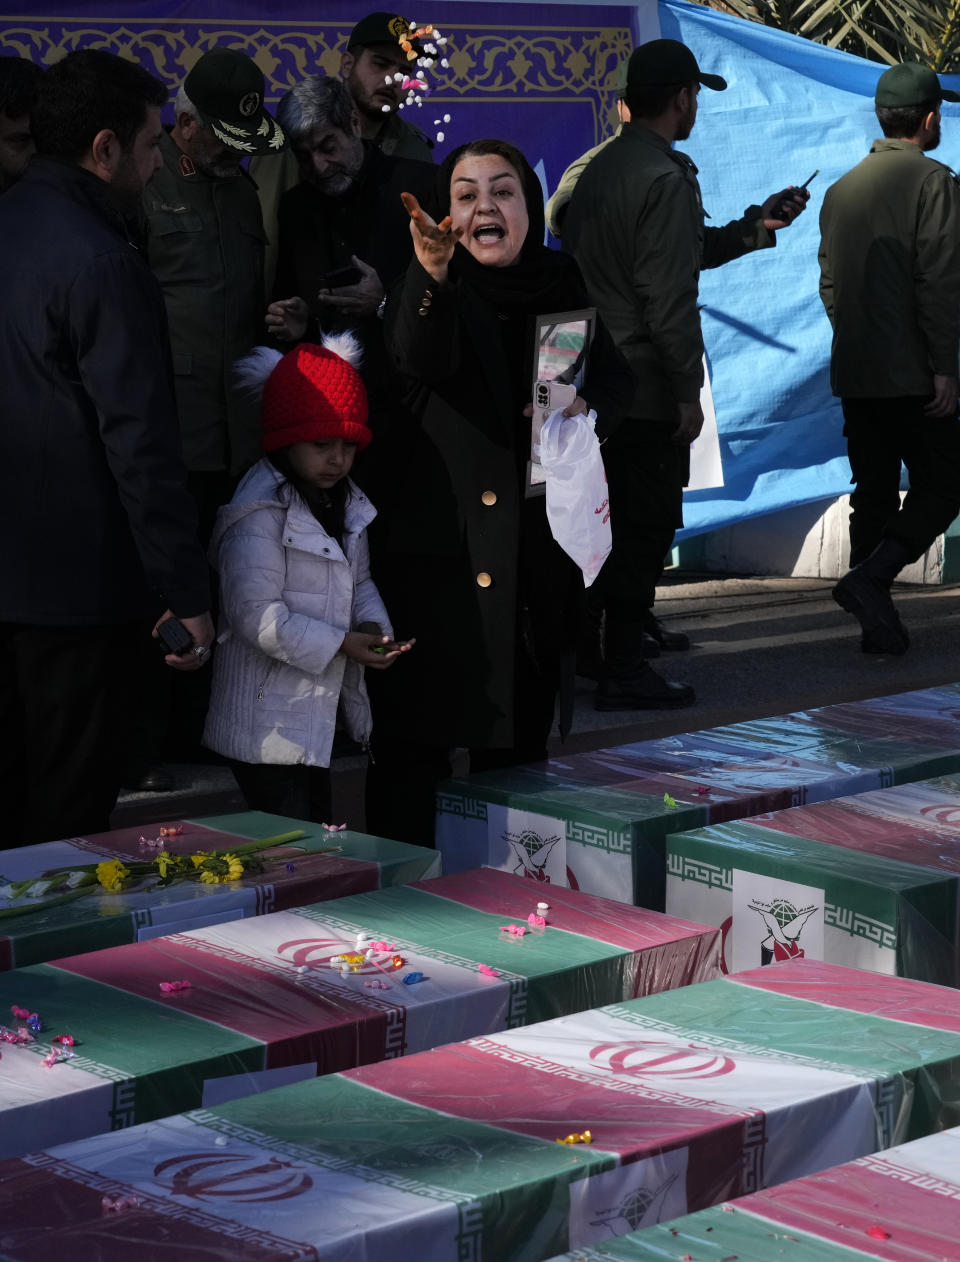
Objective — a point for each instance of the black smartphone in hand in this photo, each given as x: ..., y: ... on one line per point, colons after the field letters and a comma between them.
x: 174, y: 637
x: 340, y: 278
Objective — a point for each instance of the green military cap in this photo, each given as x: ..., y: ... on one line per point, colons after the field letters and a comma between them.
x: 911, y: 84
x: 662, y: 62
x: 227, y: 88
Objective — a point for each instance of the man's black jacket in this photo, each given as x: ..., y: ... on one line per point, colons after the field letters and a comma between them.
x: 97, y: 523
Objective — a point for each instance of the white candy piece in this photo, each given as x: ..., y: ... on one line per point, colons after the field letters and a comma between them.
x: 388, y: 80
x: 384, y: 109
x: 446, y: 118
x: 345, y: 970
x: 336, y: 959
x: 302, y: 968
x: 542, y: 907
x: 368, y: 955
x: 444, y: 63
x: 398, y: 78
x: 439, y: 137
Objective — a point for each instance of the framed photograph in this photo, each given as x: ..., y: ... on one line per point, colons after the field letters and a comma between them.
x: 561, y: 350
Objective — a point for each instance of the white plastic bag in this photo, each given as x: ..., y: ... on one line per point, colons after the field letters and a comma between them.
x: 578, y: 506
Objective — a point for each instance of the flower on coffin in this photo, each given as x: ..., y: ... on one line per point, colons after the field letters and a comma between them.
x: 168, y: 864
x: 112, y: 875
x: 214, y: 870
x: 201, y: 855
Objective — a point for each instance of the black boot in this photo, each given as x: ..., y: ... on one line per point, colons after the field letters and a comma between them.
x: 865, y: 593
x: 628, y: 682
x: 669, y: 641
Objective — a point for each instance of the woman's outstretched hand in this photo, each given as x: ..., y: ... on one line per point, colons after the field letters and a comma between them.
x: 433, y: 243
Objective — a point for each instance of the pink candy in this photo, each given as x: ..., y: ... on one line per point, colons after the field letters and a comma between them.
x: 534, y: 919
x: 117, y: 1204
x: 516, y: 930
x: 487, y: 971
x: 170, y: 988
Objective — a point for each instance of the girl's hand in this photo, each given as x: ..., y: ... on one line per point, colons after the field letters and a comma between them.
x: 376, y: 651
x: 433, y: 243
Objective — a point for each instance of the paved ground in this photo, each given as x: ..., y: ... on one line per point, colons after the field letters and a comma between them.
x: 762, y: 646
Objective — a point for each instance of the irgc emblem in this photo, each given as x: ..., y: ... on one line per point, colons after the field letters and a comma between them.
x: 639, y: 1208
x: 249, y: 104
x: 533, y: 851
x: 783, y: 923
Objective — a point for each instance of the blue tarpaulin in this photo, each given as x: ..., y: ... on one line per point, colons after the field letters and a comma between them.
x: 791, y: 107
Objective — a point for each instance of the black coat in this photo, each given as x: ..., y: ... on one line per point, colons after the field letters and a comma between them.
x: 455, y: 516
x: 92, y: 484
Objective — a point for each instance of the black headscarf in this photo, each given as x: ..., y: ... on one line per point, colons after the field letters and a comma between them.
x: 541, y: 280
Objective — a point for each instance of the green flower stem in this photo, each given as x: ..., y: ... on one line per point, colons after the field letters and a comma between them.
x: 43, y: 904
x: 266, y: 843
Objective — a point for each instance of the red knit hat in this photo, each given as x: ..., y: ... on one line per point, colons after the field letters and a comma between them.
x: 315, y: 393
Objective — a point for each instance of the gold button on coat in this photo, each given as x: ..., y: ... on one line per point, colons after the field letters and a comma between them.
x: 489, y: 498
x: 484, y: 579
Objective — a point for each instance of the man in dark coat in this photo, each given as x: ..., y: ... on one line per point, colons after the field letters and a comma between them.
x: 890, y: 283
x: 18, y: 86
x: 92, y: 484
x: 635, y: 224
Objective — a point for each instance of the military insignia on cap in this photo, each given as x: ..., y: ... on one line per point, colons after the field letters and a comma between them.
x: 398, y: 27
x: 249, y: 104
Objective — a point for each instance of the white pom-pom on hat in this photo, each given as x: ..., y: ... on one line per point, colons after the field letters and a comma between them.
x: 346, y: 345
x: 252, y: 371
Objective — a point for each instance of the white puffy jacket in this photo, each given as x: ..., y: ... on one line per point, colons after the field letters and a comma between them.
x: 289, y: 593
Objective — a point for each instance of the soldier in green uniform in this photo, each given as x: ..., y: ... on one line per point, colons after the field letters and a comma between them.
x: 890, y: 283
x: 635, y: 224
x: 205, y: 245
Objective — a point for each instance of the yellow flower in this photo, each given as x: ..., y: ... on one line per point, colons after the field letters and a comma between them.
x: 167, y: 863
x: 201, y: 856
x: 112, y: 875
x: 219, y: 868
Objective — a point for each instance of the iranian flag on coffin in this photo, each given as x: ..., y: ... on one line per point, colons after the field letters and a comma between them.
x: 777, y: 897
x: 267, y: 1002
x: 900, y: 1205
x: 353, y: 862
x: 555, y: 824
x: 713, y: 1091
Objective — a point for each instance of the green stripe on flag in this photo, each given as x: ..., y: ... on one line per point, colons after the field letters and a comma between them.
x: 121, y: 1036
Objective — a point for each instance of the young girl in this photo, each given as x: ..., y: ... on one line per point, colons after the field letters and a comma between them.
x: 300, y: 616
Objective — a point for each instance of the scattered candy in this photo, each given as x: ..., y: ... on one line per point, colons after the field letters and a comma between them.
x: 543, y: 907
x: 291, y: 867
x: 534, y: 919
x: 333, y: 828
x: 369, y: 954
x: 878, y: 1233
x: 487, y: 971
x: 170, y: 988
x: 56, y: 1055
x: 117, y: 1204
x: 171, y: 830
x: 16, y: 1037
x: 398, y: 961
x: 584, y: 1137
x: 702, y: 790
x: 411, y: 979
x: 385, y: 947
x: 376, y: 984
x: 516, y: 931
x: 440, y: 137
x: 65, y: 1040
x: 669, y: 802
x: 29, y: 1018
x: 303, y: 968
